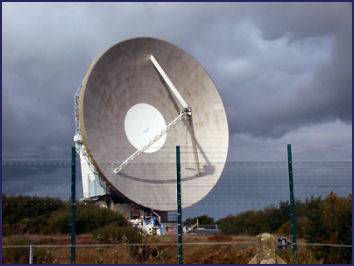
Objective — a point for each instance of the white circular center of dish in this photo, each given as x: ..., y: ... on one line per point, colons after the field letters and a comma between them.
x: 143, y: 123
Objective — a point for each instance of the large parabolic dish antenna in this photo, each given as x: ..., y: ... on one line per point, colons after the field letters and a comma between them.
x: 126, y: 100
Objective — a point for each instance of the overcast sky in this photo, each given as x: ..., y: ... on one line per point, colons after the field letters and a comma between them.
x: 284, y: 70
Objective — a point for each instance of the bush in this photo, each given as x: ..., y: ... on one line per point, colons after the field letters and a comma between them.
x: 24, y: 214
x: 59, y: 222
x: 327, y: 220
x: 113, y: 233
x: 16, y: 255
x: 16, y: 208
x: 89, y: 218
x: 143, y: 253
x: 285, y: 229
x: 202, y: 220
x: 330, y: 221
x: 42, y: 255
x: 255, y: 222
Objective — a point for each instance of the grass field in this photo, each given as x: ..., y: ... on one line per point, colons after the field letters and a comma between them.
x: 197, y: 249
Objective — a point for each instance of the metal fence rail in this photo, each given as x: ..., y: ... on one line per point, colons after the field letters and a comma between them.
x: 98, y: 248
x: 165, y: 244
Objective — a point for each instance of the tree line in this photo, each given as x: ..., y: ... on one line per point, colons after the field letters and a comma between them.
x: 327, y: 220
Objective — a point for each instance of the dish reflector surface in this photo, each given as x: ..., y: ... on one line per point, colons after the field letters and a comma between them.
x: 124, y: 101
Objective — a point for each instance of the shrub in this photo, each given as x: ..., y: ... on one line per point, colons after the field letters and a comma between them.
x: 59, y: 222
x: 24, y: 214
x: 16, y: 255
x: 16, y: 208
x: 255, y: 222
x: 330, y: 221
x: 42, y: 255
x: 285, y: 229
x: 89, y: 218
x: 143, y: 253
x: 113, y: 233
x: 327, y: 220
x: 202, y: 220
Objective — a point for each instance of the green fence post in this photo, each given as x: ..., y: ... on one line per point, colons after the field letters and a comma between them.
x: 179, y: 206
x: 292, y: 207
x: 73, y: 206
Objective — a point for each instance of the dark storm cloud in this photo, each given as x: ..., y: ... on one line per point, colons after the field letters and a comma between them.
x: 278, y: 67
x: 327, y: 94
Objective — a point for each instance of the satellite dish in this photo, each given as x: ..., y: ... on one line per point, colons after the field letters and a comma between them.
x: 140, y: 99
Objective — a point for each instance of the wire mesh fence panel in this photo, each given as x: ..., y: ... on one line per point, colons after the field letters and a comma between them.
x: 242, y: 189
x: 242, y: 186
x: 253, y: 185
